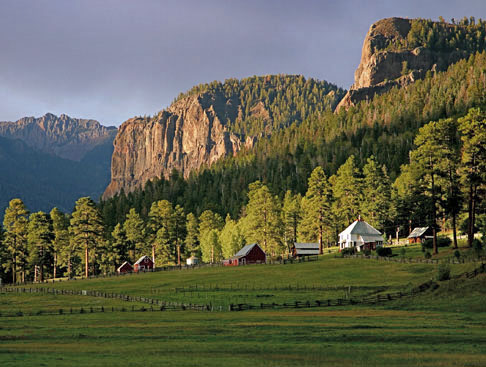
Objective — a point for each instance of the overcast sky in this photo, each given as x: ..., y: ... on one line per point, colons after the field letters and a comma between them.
x: 112, y: 59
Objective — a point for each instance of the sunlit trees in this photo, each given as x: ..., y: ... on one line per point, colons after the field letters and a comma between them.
x: 40, y: 236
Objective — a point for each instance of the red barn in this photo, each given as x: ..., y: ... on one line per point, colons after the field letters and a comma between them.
x: 145, y: 263
x: 250, y: 254
x: 420, y: 234
x: 126, y: 267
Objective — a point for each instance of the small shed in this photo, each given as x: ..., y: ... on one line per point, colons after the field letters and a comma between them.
x: 126, y: 267
x: 305, y: 249
x: 145, y: 263
x: 250, y: 254
x: 193, y: 260
x: 420, y: 234
x: 360, y: 235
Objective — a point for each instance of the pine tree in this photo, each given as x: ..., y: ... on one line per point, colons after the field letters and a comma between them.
x: 86, y: 228
x: 134, y: 232
x: 316, y: 207
x: 191, y: 242
x: 161, y: 223
x: 60, y: 224
x: 231, y: 238
x: 40, y: 237
x: 179, y: 230
x: 292, y: 215
x: 15, y: 239
x: 473, y: 172
x: 210, y: 224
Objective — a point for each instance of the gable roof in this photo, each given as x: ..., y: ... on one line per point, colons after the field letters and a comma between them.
x: 122, y: 265
x: 360, y: 227
x: 246, y: 250
x: 141, y: 259
x: 417, y: 232
x: 306, y: 245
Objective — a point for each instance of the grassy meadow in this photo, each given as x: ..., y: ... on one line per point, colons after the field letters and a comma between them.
x: 444, y: 327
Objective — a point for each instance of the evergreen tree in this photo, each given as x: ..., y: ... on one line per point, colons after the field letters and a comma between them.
x: 134, y: 233
x: 210, y: 224
x: 119, y: 246
x: 161, y: 222
x: 191, y: 242
x: 292, y: 215
x: 60, y: 224
x: 316, y: 207
x: 40, y: 237
x: 15, y: 223
x: 473, y: 172
x: 86, y: 229
x: 231, y: 238
x: 179, y: 230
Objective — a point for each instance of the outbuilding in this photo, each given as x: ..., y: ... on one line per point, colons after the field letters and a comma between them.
x: 305, y: 249
x: 361, y: 236
x: 145, y: 263
x: 193, y: 260
x: 126, y: 267
x: 250, y: 254
x: 420, y: 234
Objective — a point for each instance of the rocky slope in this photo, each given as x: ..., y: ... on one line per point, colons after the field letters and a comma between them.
x: 212, y: 121
x: 388, y: 58
x: 63, y: 136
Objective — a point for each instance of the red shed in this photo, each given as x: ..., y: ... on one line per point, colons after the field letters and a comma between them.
x: 420, y: 234
x: 250, y: 254
x: 145, y: 263
x: 126, y: 267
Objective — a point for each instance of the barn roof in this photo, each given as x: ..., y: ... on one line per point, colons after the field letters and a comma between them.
x: 303, y: 251
x: 306, y: 245
x: 360, y: 227
x: 417, y: 232
x: 122, y: 265
x: 141, y: 259
x: 245, y: 250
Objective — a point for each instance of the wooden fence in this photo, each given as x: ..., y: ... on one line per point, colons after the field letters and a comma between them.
x: 409, y: 260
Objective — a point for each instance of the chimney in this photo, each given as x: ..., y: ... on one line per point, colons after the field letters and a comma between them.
x: 359, y: 217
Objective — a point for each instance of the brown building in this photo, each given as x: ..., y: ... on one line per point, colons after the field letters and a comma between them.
x: 420, y: 234
x: 145, y: 263
x: 126, y: 267
x: 250, y: 254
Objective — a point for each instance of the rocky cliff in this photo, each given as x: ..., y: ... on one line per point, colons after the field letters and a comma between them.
x: 63, y: 136
x: 188, y: 134
x: 393, y: 55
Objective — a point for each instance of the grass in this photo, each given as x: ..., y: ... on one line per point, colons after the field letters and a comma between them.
x: 444, y: 327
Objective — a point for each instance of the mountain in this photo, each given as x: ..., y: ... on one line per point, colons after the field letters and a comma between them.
x: 52, y: 161
x: 212, y: 121
x: 62, y: 136
x: 396, y: 52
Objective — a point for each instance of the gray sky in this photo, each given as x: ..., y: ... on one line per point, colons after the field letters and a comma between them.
x: 113, y: 59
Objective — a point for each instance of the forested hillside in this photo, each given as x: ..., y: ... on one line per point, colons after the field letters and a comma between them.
x: 384, y: 127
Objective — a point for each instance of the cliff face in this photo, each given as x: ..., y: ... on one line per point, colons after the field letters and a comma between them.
x: 383, y: 66
x: 62, y: 136
x: 188, y: 134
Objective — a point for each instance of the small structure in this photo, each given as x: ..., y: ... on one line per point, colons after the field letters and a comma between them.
x: 360, y: 235
x: 305, y: 249
x: 193, y: 260
x: 420, y: 234
x: 145, y: 263
x: 126, y: 267
x: 250, y: 254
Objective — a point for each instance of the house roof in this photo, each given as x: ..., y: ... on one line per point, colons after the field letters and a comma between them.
x: 245, y: 250
x: 306, y: 245
x: 122, y: 265
x: 301, y: 251
x: 417, y: 232
x: 141, y: 259
x: 360, y: 227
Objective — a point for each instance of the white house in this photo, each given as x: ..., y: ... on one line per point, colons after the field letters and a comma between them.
x: 360, y: 235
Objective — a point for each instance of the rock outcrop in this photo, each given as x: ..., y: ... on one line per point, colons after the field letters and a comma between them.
x: 192, y: 132
x: 384, y: 66
x: 63, y: 136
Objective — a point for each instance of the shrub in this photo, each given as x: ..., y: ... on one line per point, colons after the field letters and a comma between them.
x: 403, y: 252
x: 367, y: 252
x: 477, y: 247
x: 348, y: 251
x: 444, y: 272
x: 441, y: 242
x: 457, y: 254
x: 384, y: 251
x: 427, y: 255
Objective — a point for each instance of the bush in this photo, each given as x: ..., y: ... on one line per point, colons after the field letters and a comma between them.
x: 348, y: 251
x: 441, y: 242
x: 367, y: 252
x: 457, y: 254
x: 477, y: 247
x: 427, y: 255
x: 403, y: 252
x: 384, y: 251
x: 444, y: 272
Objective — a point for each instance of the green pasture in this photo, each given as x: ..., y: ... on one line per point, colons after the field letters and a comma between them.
x: 328, y: 278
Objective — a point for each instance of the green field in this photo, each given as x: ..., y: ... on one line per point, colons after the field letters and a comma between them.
x: 443, y: 327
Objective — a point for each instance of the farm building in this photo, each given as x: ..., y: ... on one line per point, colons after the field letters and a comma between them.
x: 193, y: 260
x: 126, y: 267
x: 145, y: 263
x: 361, y: 236
x: 420, y: 234
x: 305, y: 249
x: 250, y: 254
